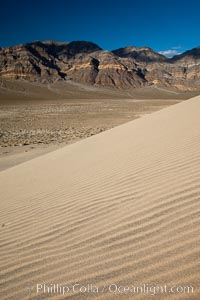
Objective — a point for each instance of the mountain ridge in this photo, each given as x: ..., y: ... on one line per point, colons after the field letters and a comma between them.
x: 86, y: 62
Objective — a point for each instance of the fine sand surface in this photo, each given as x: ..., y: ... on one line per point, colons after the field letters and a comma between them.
x: 121, y: 207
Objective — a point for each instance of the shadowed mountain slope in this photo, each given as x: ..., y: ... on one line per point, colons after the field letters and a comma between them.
x: 85, y: 62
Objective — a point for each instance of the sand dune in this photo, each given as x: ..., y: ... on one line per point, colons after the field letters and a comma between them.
x: 121, y: 207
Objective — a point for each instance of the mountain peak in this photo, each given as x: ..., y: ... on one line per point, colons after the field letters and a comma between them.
x: 144, y: 54
x: 189, y: 54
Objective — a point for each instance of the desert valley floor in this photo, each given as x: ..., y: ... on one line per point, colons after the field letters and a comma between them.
x: 37, y: 118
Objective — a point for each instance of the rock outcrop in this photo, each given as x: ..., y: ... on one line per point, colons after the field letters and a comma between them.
x: 86, y: 62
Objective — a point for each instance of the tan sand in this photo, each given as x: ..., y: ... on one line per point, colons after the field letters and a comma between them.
x: 121, y: 207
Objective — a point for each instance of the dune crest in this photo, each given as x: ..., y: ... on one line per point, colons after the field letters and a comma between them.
x: 121, y: 207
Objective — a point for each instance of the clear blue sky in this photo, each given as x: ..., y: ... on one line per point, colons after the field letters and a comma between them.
x: 161, y: 25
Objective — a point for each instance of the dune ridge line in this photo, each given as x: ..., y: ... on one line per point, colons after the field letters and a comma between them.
x: 121, y: 207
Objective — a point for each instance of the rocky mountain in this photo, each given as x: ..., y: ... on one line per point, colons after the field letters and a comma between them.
x: 140, y: 54
x: 86, y: 62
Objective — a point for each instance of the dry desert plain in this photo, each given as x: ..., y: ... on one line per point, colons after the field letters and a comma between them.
x: 36, y: 119
x: 111, y: 212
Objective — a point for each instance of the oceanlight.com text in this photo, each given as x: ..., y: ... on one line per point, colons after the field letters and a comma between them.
x: 114, y: 288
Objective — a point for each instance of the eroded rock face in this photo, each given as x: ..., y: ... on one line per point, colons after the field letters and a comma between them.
x: 86, y: 62
x: 41, y: 60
